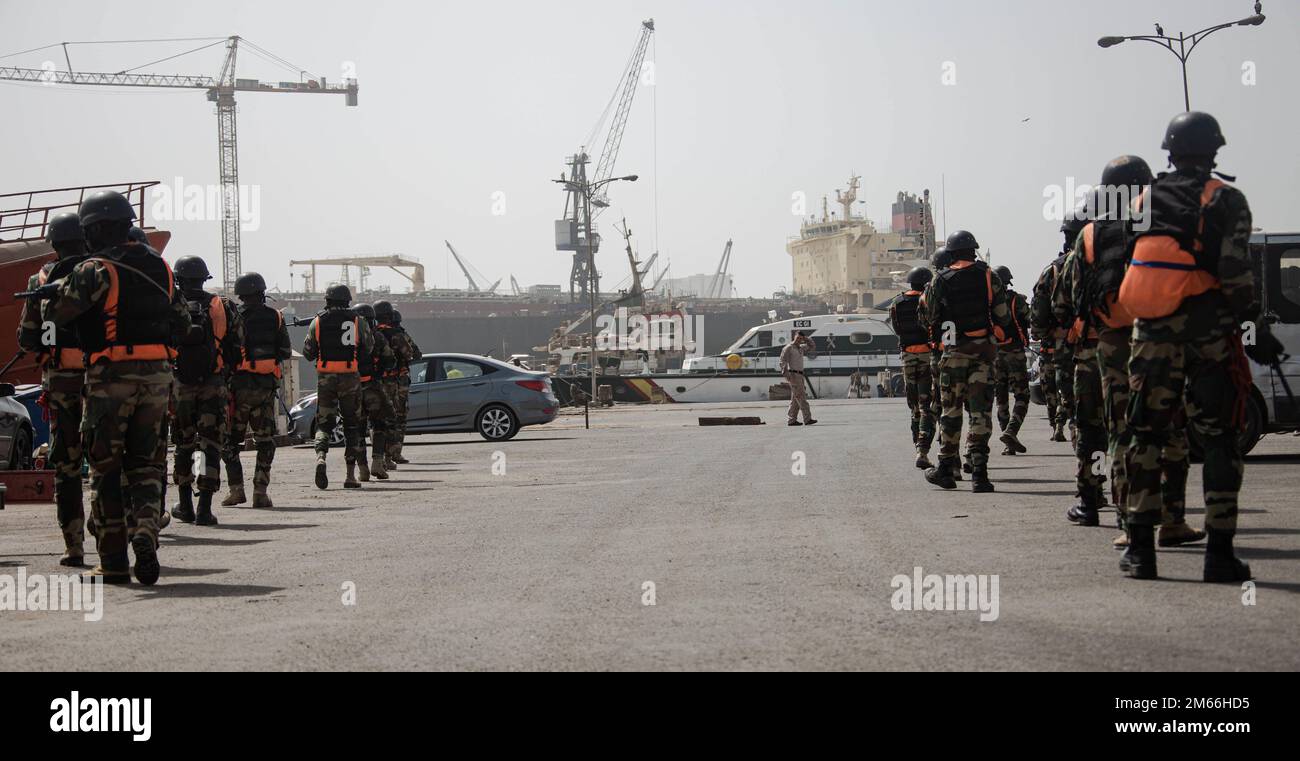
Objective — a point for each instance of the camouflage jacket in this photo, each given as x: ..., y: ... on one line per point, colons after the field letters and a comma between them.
x: 231, y: 346
x: 933, y: 303
x: 1067, y: 295
x: 404, y: 349
x: 1042, y: 321
x: 84, y: 290
x: 1221, y: 311
x: 1019, y: 307
x: 32, y: 319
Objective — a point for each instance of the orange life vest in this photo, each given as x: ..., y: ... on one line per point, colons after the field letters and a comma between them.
x: 61, y: 357
x: 1163, y: 273
x: 264, y: 366
x: 114, y: 346
x: 333, y: 355
x: 1116, y: 315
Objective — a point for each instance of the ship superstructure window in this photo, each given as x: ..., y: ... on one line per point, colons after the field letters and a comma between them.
x: 860, y: 339
x: 760, y: 340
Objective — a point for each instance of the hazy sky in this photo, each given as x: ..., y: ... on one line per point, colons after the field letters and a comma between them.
x: 755, y: 101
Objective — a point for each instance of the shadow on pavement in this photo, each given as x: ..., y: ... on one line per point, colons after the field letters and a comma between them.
x: 200, y: 589
x: 182, y: 540
x: 169, y: 572
x: 263, y: 526
x: 310, y: 509
x: 481, y: 440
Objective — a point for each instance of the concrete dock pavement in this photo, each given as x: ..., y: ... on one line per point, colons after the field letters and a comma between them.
x: 542, y: 552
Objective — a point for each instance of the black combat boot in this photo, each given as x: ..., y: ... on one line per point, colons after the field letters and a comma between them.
x: 1012, y: 442
x: 113, y: 568
x: 322, y: 479
x: 941, y: 476
x: 183, y: 510
x: 1139, y: 560
x: 146, y: 559
x: 1084, y: 512
x: 204, y: 516
x: 1221, y: 565
x: 979, y: 480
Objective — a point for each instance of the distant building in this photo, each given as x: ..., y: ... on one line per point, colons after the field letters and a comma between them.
x: 843, y: 259
x: 697, y: 286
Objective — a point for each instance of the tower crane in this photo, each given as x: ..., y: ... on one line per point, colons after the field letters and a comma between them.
x: 570, y: 232
x: 221, y: 91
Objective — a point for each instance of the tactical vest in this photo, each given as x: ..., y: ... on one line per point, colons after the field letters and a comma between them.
x: 66, y: 352
x: 907, y: 323
x: 261, y: 348
x: 967, y: 296
x: 1019, y: 338
x: 334, y: 355
x: 1177, y: 257
x: 133, y: 322
x: 198, y: 361
x: 1106, y: 252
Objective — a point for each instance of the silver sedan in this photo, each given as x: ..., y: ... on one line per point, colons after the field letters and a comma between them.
x: 454, y: 393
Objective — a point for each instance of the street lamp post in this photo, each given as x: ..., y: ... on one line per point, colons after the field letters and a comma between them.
x: 1186, y: 43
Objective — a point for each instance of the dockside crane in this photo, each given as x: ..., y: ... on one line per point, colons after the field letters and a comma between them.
x: 514, y: 285
x: 465, y: 268
x: 391, y: 261
x: 570, y: 232
x: 221, y: 91
x: 718, y: 285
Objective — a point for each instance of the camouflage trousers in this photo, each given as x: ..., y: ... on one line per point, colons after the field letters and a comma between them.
x: 1210, y: 377
x: 1047, y: 379
x: 63, y: 390
x: 338, y: 395
x: 1091, y: 444
x: 1063, y: 365
x: 200, y: 414
x: 936, y: 395
x: 251, y: 408
x: 967, y: 381
x: 399, y: 394
x: 919, y: 385
x: 1012, y: 385
x: 1114, y: 347
x: 125, y: 410
x: 376, y: 415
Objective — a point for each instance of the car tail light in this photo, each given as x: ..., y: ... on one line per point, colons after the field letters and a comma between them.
x: 533, y: 385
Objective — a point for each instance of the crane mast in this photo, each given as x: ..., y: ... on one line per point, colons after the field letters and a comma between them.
x: 579, y: 211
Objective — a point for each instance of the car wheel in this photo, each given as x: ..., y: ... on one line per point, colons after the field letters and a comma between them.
x: 20, y: 456
x: 496, y: 423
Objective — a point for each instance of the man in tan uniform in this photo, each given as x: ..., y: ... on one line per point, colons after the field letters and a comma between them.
x: 792, y: 357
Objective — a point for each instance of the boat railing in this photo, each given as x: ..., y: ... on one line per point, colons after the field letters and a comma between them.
x: 25, y: 215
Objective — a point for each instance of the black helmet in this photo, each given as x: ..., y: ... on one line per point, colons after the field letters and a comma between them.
x: 104, y: 206
x: 339, y: 293
x: 1126, y: 171
x: 365, y: 310
x: 383, y: 310
x: 137, y: 235
x: 1194, y: 133
x: 1076, y: 220
x: 191, y: 268
x: 65, y: 226
x: 397, y: 317
x: 941, y: 259
x: 919, y: 276
x: 1004, y: 274
x: 961, y: 241
x: 249, y: 284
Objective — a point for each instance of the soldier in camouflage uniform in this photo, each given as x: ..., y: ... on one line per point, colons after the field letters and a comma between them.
x: 199, y: 393
x: 397, y: 381
x: 1012, y: 370
x: 967, y: 306
x: 377, y: 412
x: 335, y: 340
x: 1191, y: 287
x: 254, y: 387
x: 915, y: 352
x: 939, y: 262
x: 63, y: 373
x: 1057, y: 364
x: 128, y: 314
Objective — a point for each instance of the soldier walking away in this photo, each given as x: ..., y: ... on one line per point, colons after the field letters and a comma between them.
x: 941, y: 261
x: 1191, y: 288
x: 914, y: 351
x: 254, y: 387
x: 128, y: 315
x: 63, y: 373
x: 335, y: 340
x: 203, y: 360
x: 396, y: 381
x: 967, y: 305
x: 1012, y: 370
x: 792, y: 357
x: 376, y: 407
x: 1057, y: 365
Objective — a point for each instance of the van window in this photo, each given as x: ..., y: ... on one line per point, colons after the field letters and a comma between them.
x: 1284, y: 290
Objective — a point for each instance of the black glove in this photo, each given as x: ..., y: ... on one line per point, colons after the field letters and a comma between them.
x: 1266, y: 350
